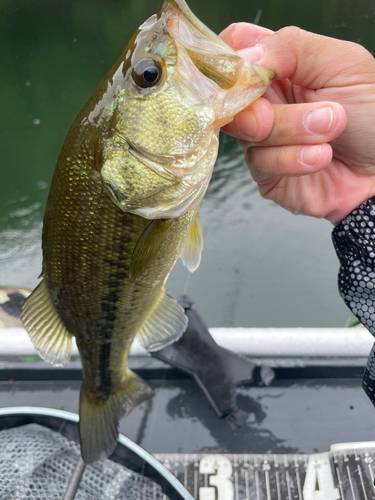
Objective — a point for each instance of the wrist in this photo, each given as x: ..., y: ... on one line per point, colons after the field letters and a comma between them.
x: 358, y: 196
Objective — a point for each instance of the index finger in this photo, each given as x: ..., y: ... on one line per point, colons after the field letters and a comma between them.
x: 306, y: 59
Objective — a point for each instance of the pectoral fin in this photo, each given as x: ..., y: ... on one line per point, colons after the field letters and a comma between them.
x: 148, y: 246
x: 165, y: 324
x: 46, y: 330
x: 191, y: 257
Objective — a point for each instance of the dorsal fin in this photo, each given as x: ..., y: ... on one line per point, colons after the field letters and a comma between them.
x: 191, y: 257
x: 148, y: 246
x: 165, y: 324
x: 46, y: 330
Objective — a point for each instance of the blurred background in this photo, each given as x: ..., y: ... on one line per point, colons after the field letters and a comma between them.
x: 261, y: 266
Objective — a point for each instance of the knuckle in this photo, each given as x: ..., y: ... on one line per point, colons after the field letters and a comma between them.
x: 362, y: 61
x: 265, y: 190
x: 359, y: 50
x: 314, y: 210
x: 285, y: 121
x: 282, y: 159
x: 290, y: 33
x: 231, y: 28
x: 365, y: 59
x: 248, y: 157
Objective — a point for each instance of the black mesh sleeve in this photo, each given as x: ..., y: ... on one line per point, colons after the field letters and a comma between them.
x: 354, y: 241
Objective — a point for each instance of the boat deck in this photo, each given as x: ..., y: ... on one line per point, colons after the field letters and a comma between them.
x: 306, y: 408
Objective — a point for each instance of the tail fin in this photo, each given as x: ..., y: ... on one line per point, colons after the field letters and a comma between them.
x: 99, y: 417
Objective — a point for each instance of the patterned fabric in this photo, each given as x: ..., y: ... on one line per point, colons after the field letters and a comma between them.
x: 354, y: 241
x: 368, y: 381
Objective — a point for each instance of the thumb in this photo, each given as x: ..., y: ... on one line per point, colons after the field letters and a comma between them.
x: 311, y: 60
x: 242, y: 35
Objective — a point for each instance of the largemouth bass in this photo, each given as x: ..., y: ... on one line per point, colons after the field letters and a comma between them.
x: 123, y: 207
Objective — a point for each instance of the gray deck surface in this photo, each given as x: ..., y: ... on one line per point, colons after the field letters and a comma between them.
x: 291, y: 416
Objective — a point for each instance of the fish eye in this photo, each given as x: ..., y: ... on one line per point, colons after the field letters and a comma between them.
x: 147, y: 73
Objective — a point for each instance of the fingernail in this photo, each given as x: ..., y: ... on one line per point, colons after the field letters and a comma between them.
x: 245, y: 144
x: 253, y: 54
x: 319, y: 121
x: 310, y: 154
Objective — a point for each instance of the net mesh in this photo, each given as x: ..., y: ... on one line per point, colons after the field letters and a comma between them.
x: 37, y: 463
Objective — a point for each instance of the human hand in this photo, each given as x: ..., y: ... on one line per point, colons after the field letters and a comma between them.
x: 310, y: 141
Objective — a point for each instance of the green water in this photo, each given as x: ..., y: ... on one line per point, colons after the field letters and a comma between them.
x: 261, y: 266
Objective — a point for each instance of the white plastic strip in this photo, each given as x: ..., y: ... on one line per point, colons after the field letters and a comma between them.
x: 296, y: 342
x: 358, y: 445
x: 255, y: 342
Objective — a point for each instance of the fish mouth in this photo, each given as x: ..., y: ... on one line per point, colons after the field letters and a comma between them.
x: 183, y: 8
x: 213, y: 57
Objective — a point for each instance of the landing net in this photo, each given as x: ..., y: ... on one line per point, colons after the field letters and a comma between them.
x: 37, y: 463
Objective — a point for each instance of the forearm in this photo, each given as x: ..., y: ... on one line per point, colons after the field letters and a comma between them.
x: 354, y: 241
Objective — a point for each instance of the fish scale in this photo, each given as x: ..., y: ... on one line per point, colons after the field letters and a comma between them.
x: 184, y: 120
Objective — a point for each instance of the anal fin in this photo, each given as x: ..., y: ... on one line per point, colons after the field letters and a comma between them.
x: 99, y: 416
x: 46, y: 330
x: 191, y: 257
x: 165, y: 324
x: 148, y: 246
